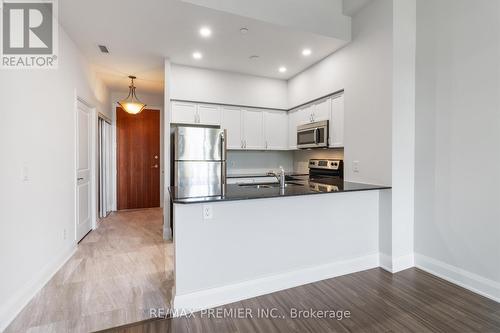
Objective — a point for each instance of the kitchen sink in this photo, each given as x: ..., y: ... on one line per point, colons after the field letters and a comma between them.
x: 269, y: 185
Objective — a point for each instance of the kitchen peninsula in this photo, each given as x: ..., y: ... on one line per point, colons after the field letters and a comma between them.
x: 259, y: 238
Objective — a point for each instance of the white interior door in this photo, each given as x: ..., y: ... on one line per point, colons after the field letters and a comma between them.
x: 83, y: 171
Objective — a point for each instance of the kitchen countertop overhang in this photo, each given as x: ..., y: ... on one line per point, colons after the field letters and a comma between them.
x: 232, y: 192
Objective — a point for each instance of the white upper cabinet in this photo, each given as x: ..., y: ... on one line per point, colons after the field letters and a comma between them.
x: 322, y: 110
x: 294, y: 120
x: 184, y: 113
x: 232, y: 123
x: 195, y: 114
x: 337, y: 122
x: 253, y: 129
x: 209, y: 115
x: 276, y: 130
x: 307, y: 114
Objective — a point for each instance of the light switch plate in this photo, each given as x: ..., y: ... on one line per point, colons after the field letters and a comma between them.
x: 207, y: 212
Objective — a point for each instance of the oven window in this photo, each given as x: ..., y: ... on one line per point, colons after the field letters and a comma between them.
x: 305, y: 137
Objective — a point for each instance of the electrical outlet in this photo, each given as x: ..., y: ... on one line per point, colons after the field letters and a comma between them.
x: 207, y: 212
x: 355, y: 166
x: 65, y: 234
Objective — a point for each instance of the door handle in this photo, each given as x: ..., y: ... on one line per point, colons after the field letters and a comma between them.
x: 155, y: 166
x: 80, y: 178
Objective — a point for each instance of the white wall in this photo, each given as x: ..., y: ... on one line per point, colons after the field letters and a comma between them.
x: 457, y: 188
x: 37, y: 132
x: 403, y: 134
x: 206, y: 85
x: 364, y: 69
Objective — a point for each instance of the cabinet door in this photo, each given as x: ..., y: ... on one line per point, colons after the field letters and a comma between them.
x: 253, y: 129
x: 231, y: 122
x: 307, y: 115
x: 322, y: 110
x: 276, y: 130
x: 293, y: 122
x: 337, y: 122
x: 183, y: 113
x: 209, y: 115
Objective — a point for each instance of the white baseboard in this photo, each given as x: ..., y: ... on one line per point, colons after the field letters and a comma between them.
x: 475, y: 283
x: 404, y: 262
x: 385, y: 262
x: 210, y: 298
x: 394, y: 265
x: 11, y: 308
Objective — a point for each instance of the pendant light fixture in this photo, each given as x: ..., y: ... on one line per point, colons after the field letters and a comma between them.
x: 131, y: 103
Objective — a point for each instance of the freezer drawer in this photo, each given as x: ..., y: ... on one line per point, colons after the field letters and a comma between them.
x: 194, y: 173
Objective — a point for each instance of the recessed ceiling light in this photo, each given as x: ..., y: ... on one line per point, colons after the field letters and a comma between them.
x: 282, y: 69
x: 205, y: 32
x: 244, y: 30
x: 306, y: 52
x: 197, y: 55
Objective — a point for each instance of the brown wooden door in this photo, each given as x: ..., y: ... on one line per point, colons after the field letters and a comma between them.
x: 138, y: 159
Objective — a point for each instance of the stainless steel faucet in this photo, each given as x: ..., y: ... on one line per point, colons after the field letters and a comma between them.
x: 280, y: 176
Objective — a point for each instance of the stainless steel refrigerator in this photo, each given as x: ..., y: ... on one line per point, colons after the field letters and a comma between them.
x: 199, y: 161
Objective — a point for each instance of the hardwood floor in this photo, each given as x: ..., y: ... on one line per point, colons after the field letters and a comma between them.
x: 119, y: 271
x: 410, y: 301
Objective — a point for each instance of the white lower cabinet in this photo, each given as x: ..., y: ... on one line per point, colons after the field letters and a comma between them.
x: 231, y: 122
x: 276, y: 130
x: 337, y: 122
x: 253, y: 129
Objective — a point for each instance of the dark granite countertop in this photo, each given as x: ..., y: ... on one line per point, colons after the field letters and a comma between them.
x: 198, y: 194
x: 258, y: 175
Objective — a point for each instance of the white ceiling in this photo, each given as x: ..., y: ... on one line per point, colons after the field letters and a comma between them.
x: 141, y: 34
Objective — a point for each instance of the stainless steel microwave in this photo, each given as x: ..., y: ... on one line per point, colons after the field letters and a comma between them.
x: 313, y: 135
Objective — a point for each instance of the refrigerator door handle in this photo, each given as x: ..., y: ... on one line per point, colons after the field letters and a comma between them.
x: 223, y: 142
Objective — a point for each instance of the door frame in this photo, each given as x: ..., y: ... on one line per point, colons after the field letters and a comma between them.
x: 114, y: 164
x: 93, y: 163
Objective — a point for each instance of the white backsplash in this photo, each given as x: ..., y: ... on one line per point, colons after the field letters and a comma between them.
x: 301, y: 157
x: 260, y: 162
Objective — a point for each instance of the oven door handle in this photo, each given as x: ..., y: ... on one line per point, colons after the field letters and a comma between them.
x: 315, y: 136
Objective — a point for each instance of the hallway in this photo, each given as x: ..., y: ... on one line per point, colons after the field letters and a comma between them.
x: 118, y: 272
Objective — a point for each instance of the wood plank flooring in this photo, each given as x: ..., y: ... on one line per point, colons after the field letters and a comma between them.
x: 119, y: 271
x: 410, y: 301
